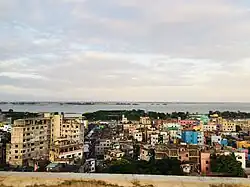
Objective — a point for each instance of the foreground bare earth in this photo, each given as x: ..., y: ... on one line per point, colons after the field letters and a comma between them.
x: 15, y: 179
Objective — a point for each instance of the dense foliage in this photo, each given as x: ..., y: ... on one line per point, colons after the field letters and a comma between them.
x: 226, y: 164
x: 231, y: 115
x: 154, y: 167
x: 132, y: 115
x: 18, y: 115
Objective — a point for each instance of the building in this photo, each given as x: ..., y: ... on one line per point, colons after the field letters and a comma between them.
x: 102, y: 146
x: 113, y: 154
x: 190, y: 137
x: 187, y: 153
x: 35, y: 138
x: 137, y: 136
x: 211, y: 127
x: 71, y: 128
x: 145, y: 120
x: 65, y: 151
x: 174, y: 133
x: 201, y: 138
x: 146, y: 152
x: 187, y: 122
x: 124, y: 119
x: 243, y: 144
x: 228, y: 126
x: 216, y: 139
x: 30, y: 139
x: 205, y: 163
x: 154, y: 139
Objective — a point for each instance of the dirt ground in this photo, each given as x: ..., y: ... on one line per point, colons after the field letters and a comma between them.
x: 45, y: 180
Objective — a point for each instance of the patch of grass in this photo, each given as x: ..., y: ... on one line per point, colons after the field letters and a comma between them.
x: 90, y: 183
x: 136, y: 183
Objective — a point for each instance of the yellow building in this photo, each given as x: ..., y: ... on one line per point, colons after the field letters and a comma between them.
x: 228, y: 126
x: 33, y: 138
x: 243, y: 144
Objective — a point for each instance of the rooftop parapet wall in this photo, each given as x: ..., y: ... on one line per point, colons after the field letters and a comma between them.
x: 108, y: 180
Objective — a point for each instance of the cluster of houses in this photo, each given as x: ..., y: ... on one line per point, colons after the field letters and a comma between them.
x: 191, y: 141
x: 66, y: 139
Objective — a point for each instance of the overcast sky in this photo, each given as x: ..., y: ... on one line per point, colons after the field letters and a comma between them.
x: 125, y: 50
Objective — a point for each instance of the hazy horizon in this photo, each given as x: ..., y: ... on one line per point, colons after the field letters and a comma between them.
x: 125, y: 50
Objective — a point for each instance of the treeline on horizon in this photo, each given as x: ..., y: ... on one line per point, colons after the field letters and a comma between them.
x: 133, y: 114
x: 136, y: 114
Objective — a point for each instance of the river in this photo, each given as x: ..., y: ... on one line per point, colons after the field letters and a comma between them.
x: 170, y: 107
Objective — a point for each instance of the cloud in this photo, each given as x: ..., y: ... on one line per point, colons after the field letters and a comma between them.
x: 16, y: 75
x: 125, y: 50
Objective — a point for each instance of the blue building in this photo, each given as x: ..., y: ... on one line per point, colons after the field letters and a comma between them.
x: 190, y: 137
x: 224, y: 142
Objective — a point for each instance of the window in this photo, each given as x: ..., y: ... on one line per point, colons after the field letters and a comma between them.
x: 206, y: 162
x: 16, y: 151
x: 32, y: 149
x: 33, y: 128
x: 16, y: 146
x: 16, y: 157
x: 206, y: 168
x: 79, y: 154
x: 186, y: 155
x: 36, y: 127
x: 41, y: 147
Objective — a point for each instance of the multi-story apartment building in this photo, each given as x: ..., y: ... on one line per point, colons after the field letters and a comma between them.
x: 30, y: 139
x: 210, y: 127
x: 65, y: 150
x: 33, y: 138
x: 102, y: 146
x: 181, y: 152
x: 228, y: 126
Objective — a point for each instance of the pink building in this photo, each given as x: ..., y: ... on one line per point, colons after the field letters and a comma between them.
x: 205, y: 163
x: 187, y: 122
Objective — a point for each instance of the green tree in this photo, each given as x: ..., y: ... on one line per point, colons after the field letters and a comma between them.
x: 226, y: 164
x: 238, y: 128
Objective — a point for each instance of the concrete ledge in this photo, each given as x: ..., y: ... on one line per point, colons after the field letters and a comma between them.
x: 22, y: 179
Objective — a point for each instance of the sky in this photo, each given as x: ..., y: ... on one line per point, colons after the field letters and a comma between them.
x: 125, y: 50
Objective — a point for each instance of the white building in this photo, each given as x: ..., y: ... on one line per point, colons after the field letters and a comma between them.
x: 154, y: 139
x: 165, y: 137
x: 216, y: 139
x: 200, y: 138
x: 137, y: 136
x: 124, y: 119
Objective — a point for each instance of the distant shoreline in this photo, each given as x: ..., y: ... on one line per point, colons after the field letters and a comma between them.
x: 113, y: 103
